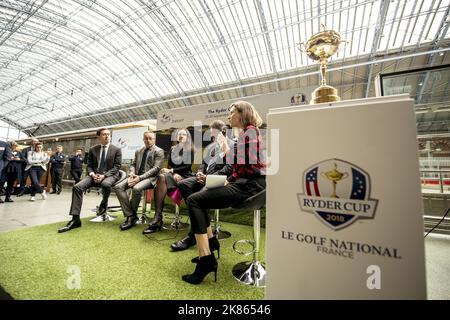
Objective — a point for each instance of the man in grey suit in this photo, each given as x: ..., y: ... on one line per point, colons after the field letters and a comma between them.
x: 143, y: 174
x: 103, y: 168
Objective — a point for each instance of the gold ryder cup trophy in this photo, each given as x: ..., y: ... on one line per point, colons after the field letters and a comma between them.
x: 320, y: 47
x: 334, y: 176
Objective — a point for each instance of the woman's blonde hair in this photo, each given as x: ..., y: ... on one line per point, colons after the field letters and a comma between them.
x: 249, y: 115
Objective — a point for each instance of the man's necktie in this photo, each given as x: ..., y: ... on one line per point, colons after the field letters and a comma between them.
x: 143, y: 160
x: 101, y: 167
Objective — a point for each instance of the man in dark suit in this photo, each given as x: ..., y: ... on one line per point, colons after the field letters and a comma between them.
x: 103, y: 168
x: 76, y: 165
x: 143, y: 174
x: 5, y: 156
x: 26, y: 173
x: 57, y: 171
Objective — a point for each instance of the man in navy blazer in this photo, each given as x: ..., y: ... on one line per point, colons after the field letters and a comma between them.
x: 103, y: 167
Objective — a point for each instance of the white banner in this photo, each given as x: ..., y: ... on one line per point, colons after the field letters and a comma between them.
x: 129, y: 140
x: 344, y: 211
x: 206, y: 113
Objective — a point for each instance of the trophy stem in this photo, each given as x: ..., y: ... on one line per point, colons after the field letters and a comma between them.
x: 323, y: 70
x: 334, y: 195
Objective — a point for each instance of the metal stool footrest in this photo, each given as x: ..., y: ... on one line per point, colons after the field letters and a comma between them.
x: 222, y: 234
x: 144, y: 219
x: 103, y: 218
x: 250, y: 242
x: 176, y: 224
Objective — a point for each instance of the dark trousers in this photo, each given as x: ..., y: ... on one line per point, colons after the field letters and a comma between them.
x: 23, y: 181
x: 36, y: 174
x: 187, y: 187
x: 218, y: 198
x: 10, y: 178
x: 76, y: 174
x: 57, y: 175
x: 86, y: 183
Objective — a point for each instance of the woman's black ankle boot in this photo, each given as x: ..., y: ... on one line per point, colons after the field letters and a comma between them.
x: 154, y: 225
x: 204, y: 266
x: 214, y: 244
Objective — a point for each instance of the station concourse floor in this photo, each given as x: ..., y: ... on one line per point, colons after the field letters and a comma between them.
x: 24, y: 213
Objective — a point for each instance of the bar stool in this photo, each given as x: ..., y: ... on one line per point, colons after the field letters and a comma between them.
x: 252, y: 272
x: 106, y: 217
x: 147, y: 200
x: 220, y: 234
x: 177, y: 224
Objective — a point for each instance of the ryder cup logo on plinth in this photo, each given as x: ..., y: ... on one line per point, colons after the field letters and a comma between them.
x: 337, y: 192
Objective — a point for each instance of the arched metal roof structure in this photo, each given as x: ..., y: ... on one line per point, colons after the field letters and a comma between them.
x: 72, y: 64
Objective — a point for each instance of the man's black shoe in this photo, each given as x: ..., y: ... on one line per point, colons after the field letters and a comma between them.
x: 184, y: 243
x: 129, y: 223
x: 71, y: 225
x: 21, y: 193
x: 1, y: 200
x: 58, y: 192
x: 101, y: 211
x: 53, y: 192
x: 9, y: 200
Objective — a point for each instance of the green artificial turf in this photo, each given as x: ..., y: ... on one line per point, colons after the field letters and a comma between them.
x: 34, y: 264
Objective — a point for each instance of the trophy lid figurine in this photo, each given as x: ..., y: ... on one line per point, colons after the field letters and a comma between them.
x: 320, y: 47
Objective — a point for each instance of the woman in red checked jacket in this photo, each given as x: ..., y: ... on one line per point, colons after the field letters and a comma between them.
x: 246, y: 177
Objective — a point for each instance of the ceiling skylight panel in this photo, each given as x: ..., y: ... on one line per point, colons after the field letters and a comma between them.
x: 115, y: 62
x: 161, y: 84
x: 207, y: 67
x: 221, y: 35
x: 253, y: 17
x: 144, y: 92
x: 392, y: 13
x: 192, y: 76
x: 88, y: 19
x: 434, y: 25
x: 223, y: 71
x: 124, y: 97
x: 132, y: 80
x: 261, y: 56
x: 228, y: 24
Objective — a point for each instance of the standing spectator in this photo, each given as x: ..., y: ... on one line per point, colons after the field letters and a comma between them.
x: 37, y: 165
x: 13, y: 170
x: 26, y: 173
x: 5, y: 156
x: 57, y: 170
x: 76, y: 165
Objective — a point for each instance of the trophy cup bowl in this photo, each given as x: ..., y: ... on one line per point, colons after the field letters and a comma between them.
x: 320, y: 47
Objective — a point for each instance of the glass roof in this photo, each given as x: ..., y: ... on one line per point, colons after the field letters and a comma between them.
x: 65, y: 58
